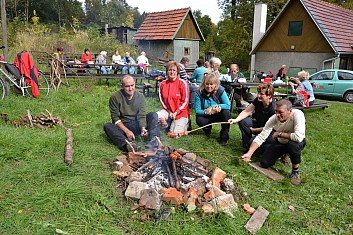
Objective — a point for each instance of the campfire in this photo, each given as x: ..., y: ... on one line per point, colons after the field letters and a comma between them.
x: 176, y: 176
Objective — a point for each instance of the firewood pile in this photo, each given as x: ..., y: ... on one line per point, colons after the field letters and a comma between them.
x: 165, y: 175
x: 44, y: 120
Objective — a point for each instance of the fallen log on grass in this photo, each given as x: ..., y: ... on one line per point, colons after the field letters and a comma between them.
x: 69, y: 152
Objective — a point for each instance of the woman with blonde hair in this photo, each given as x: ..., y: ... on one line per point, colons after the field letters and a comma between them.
x: 303, y: 84
x: 212, y: 105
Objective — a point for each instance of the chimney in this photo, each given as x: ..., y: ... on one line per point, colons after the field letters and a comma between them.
x: 259, y: 27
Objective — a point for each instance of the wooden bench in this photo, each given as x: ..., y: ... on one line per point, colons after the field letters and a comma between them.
x: 322, y: 105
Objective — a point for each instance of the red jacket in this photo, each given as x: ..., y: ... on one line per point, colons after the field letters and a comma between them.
x: 27, y: 68
x: 85, y: 58
x: 174, y: 96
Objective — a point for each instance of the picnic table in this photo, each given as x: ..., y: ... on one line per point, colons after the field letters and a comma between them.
x: 234, y: 87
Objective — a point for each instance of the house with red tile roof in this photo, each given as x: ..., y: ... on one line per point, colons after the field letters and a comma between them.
x: 170, y: 35
x: 307, y: 34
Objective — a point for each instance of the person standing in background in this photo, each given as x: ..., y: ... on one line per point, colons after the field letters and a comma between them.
x: 198, y: 73
x: 281, y: 73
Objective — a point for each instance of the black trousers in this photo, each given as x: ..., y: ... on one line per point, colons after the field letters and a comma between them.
x: 247, y: 136
x: 222, y: 116
x: 276, y: 150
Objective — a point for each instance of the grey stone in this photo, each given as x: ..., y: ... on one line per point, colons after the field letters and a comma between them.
x: 225, y: 203
x: 134, y: 190
x: 150, y: 199
x: 227, y: 185
x: 134, y: 176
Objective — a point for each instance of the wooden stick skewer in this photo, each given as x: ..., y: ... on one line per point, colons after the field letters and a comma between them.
x: 214, y: 123
x: 174, y: 135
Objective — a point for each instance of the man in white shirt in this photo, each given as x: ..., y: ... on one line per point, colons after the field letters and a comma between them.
x: 289, y: 134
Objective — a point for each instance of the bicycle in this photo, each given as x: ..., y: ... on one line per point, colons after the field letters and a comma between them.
x: 18, y: 81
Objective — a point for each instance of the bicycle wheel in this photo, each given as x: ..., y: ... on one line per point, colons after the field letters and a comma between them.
x: 43, y: 85
x: 2, y: 89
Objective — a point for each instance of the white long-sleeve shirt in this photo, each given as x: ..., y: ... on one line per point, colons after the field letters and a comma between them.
x: 295, y: 125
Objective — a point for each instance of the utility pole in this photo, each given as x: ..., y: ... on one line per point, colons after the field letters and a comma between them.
x: 4, y: 39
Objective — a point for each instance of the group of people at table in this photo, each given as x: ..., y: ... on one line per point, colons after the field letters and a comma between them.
x: 271, y: 126
x: 126, y: 64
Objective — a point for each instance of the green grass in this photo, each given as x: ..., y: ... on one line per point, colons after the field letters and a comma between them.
x: 39, y: 193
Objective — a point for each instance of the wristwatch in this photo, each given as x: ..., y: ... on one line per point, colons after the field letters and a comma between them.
x: 280, y: 134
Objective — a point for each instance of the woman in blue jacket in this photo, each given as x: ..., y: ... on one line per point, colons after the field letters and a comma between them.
x: 212, y: 105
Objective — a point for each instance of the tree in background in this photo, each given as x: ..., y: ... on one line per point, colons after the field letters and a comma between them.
x: 209, y: 32
x: 235, y: 31
x: 138, y: 18
x: 49, y: 11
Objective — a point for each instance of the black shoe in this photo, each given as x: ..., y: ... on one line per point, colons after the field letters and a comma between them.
x: 295, y: 178
x: 224, y: 143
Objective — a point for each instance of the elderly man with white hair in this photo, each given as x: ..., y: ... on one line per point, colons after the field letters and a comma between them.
x: 100, y: 61
x: 214, y: 66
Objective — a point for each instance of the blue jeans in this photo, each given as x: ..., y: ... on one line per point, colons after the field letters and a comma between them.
x: 90, y: 70
x: 118, y: 136
x: 131, y: 69
x: 104, y: 70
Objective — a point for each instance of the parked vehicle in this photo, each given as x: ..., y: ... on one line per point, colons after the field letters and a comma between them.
x: 334, y: 83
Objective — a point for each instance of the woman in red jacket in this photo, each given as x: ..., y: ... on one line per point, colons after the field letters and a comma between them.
x: 86, y: 59
x: 174, y: 97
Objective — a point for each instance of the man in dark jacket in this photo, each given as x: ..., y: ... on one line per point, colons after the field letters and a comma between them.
x: 127, y: 109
